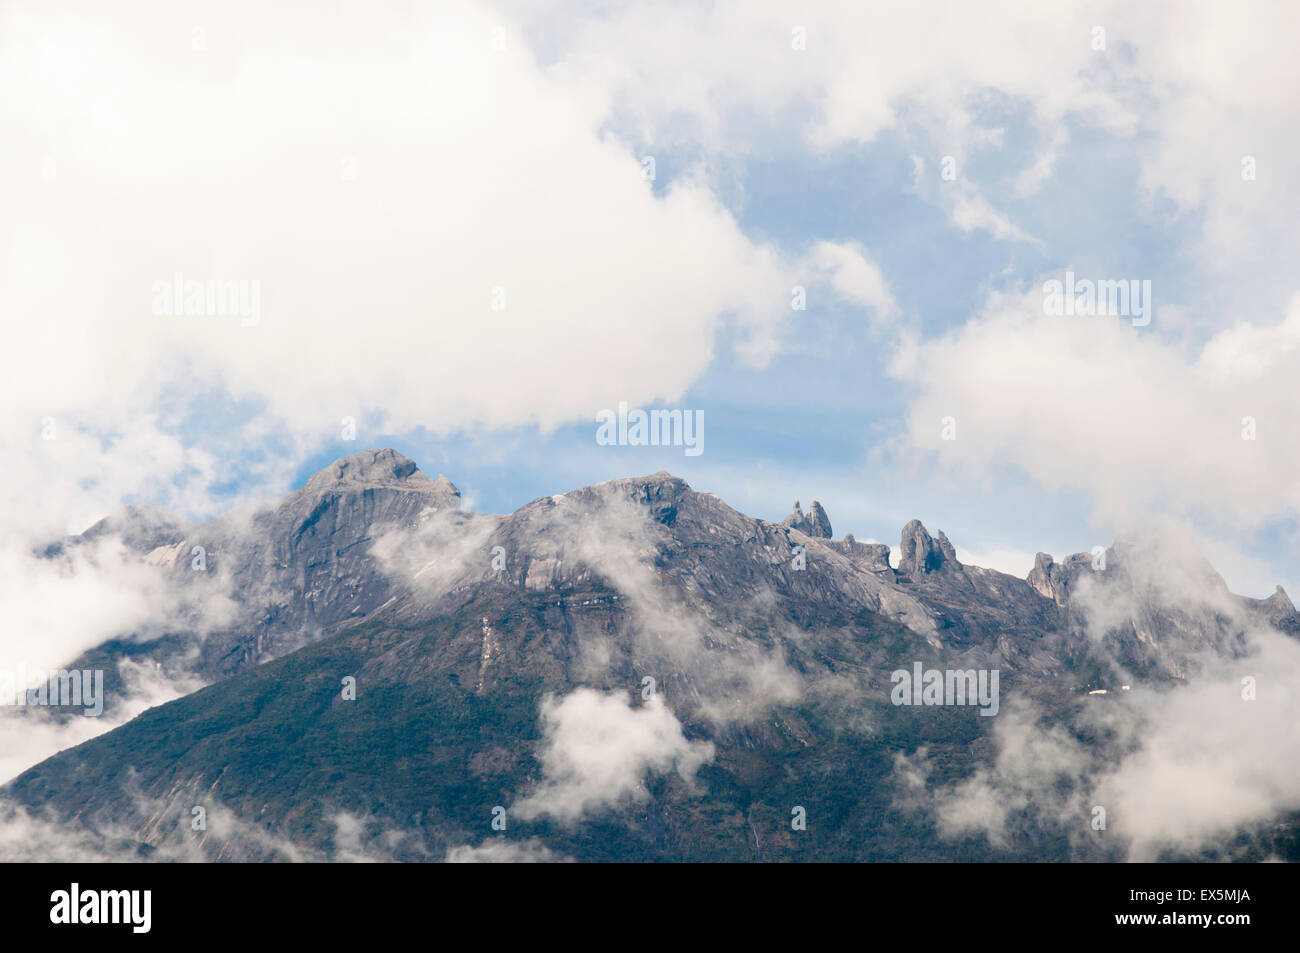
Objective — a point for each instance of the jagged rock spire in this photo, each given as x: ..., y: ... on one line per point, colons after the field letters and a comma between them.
x: 816, y: 524
x: 919, y: 552
x: 1277, y: 605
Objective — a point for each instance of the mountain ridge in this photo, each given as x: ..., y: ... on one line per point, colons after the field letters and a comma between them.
x: 770, y: 644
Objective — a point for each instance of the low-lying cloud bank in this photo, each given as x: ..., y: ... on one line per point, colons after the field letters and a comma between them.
x: 1170, y: 769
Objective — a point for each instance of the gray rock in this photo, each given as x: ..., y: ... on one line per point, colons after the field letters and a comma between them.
x: 875, y: 556
x: 816, y: 524
x: 920, y: 554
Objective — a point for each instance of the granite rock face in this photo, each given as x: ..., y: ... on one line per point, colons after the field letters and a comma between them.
x: 1278, y: 605
x: 816, y: 524
x: 266, y: 579
x: 874, y: 555
x: 370, y: 467
x: 305, y: 566
x: 1053, y: 580
x: 920, y: 554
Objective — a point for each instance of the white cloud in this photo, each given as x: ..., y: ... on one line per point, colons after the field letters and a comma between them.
x: 366, y: 840
x: 1179, y: 767
x: 502, y: 851
x: 598, y: 750
x: 971, y: 212
x: 57, y: 609
x: 1088, y: 403
x: 854, y: 277
x: 474, y: 170
x: 1203, y: 87
x: 1208, y: 760
x: 29, y: 736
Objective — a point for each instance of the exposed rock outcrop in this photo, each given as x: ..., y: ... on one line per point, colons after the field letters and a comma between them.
x: 816, y: 524
x: 875, y: 556
x: 919, y: 553
x: 1055, y: 580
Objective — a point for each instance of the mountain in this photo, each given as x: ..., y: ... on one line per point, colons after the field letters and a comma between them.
x: 628, y: 671
x: 258, y: 582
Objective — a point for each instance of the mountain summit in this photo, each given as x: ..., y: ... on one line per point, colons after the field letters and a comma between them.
x: 368, y: 466
x: 378, y: 468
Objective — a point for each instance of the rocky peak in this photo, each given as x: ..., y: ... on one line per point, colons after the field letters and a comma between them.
x: 371, y: 468
x: 1055, y: 580
x: 445, y: 487
x: 816, y: 524
x: 659, y: 494
x: 368, y: 466
x: 1048, y: 579
x: 920, y: 553
x: 874, y: 555
x: 659, y: 483
x: 1278, y: 609
x: 142, y: 528
x: 1040, y: 577
x: 1279, y: 602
